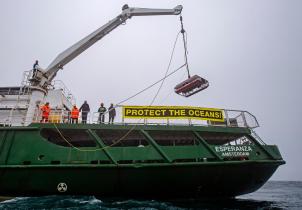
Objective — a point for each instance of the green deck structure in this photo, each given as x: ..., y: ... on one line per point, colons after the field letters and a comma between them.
x: 133, y: 160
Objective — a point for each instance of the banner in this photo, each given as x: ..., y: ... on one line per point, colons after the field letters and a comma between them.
x: 173, y: 112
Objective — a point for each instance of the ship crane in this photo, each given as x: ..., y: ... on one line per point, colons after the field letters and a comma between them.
x: 42, y: 78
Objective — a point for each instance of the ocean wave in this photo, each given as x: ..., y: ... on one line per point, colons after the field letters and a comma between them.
x: 273, y: 195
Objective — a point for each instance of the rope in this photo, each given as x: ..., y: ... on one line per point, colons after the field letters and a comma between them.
x: 118, y: 104
x: 168, y: 95
x: 98, y: 149
x: 170, y: 61
x: 152, y: 85
x: 92, y: 150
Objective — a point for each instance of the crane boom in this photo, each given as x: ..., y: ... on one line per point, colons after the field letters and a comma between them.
x: 72, y: 52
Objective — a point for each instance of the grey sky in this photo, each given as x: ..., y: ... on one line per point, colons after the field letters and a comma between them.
x: 250, y: 51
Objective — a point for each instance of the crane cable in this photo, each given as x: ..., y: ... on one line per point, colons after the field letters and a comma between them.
x: 83, y: 150
x: 170, y: 61
x: 118, y: 104
x: 185, y: 45
x: 185, y: 42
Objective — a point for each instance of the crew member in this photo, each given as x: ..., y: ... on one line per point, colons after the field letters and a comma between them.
x: 45, y: 112
x: 85, y: 110
x: 112, y: 113
x: 35, y: 68
x: 102, y: 111
x: 74, y: 114
x: 36, y: 65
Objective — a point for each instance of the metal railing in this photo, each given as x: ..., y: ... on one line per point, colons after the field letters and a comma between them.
x: 239, y: 118
x: 56, y: 84
x: 12, y: 91
x: 59, y: 85
x: 232, y: 118
x: 25, y: 83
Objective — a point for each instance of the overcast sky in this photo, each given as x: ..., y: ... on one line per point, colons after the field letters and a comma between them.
x: 249, y: 51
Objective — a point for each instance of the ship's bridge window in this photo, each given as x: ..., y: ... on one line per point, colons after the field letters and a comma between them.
x: 68, y: 137
x: 174, y: 138
x: 122, y: 138
x: 225, y: 138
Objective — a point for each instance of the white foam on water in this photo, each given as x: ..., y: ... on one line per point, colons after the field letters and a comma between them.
x: 15, y: 199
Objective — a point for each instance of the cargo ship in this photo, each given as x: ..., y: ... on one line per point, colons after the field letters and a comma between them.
x: 204, y: 153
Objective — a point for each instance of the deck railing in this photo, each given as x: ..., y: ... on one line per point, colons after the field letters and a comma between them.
x: 59, y: 85
x: 232, y: 118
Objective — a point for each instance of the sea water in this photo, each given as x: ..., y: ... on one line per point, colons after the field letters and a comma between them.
x: 273, y: 195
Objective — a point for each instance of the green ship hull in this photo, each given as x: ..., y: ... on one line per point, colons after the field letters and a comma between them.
x: 154, y: 161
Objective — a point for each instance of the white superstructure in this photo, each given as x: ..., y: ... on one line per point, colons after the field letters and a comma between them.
x: 15, y: 108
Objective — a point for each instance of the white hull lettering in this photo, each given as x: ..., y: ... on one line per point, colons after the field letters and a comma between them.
x: 228, y: 151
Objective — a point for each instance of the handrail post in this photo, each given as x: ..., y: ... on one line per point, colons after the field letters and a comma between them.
x: 227, y: 118
x: 244, y: 119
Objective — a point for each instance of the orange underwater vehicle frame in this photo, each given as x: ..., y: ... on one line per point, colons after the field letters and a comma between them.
x: 191, y: 86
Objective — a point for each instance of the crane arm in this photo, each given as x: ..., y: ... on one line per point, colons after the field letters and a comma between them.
x: 79, y: 47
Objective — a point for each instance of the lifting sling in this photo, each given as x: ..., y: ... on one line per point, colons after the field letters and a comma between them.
x: 193, y: 84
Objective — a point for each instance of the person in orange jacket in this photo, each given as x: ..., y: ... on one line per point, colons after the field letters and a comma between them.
x: 75, y: 114
x: 45, y: 112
